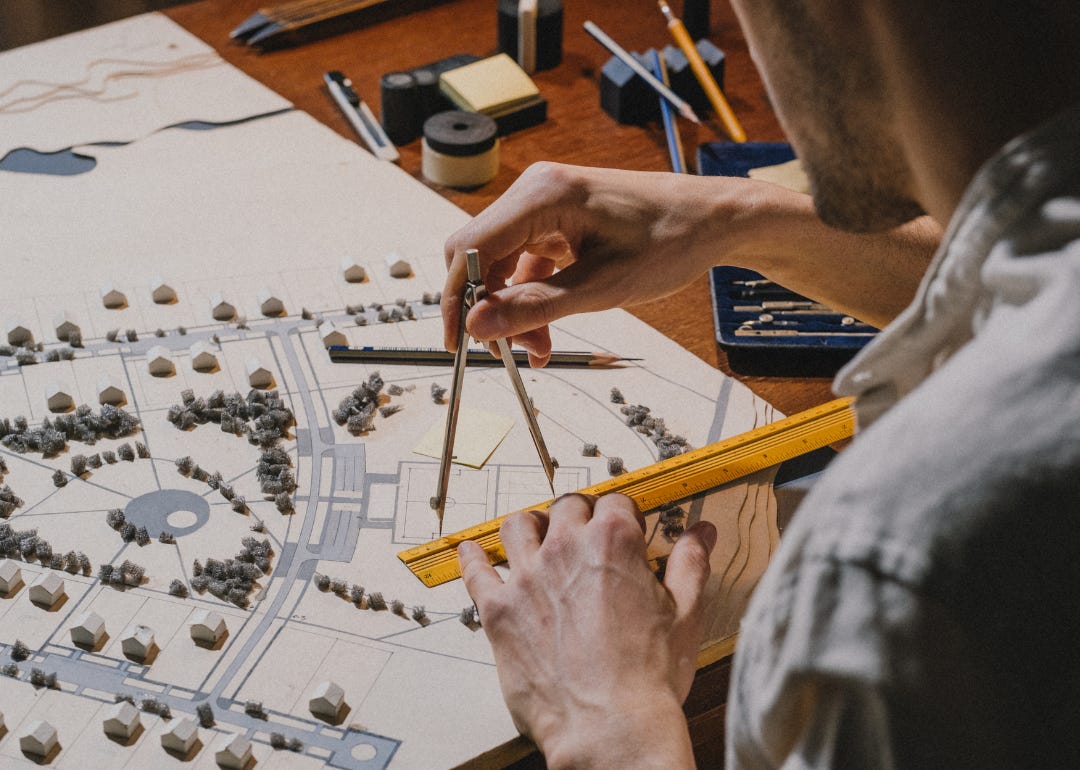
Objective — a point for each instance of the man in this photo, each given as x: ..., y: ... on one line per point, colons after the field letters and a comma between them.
x: 923, y: 608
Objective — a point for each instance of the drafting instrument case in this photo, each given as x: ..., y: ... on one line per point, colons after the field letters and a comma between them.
x: 763, y: 327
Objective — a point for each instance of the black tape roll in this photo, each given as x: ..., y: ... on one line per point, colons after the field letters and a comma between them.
x: 400, y: 107
x: 460, y: 134
x: 549, y: 31
x: 427, y: 89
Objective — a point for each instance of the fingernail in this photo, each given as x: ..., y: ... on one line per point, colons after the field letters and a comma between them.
x: 708, y: 535
x: 465, y: 547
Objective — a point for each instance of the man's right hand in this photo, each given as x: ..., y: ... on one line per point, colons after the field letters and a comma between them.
x: 571, y: 240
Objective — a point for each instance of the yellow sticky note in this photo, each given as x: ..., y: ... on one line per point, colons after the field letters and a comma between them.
x: 478, y: 435
x: 790, y: 175
x: 488, y: 85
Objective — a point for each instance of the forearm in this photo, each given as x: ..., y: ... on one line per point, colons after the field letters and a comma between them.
x: 777, y: 233
x: 653, y: 737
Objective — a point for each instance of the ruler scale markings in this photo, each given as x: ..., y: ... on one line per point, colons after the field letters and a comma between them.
x: 666, y: 481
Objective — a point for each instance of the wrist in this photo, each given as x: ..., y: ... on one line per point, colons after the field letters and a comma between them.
x: 735, y: 222
x: 762, y: 225
x: 654, y: 735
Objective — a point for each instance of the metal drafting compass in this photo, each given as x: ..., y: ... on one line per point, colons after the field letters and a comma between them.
x: 474, y: 292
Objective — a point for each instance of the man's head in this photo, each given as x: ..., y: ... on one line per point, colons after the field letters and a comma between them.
x: 827, y: 85
x: 892, y: 105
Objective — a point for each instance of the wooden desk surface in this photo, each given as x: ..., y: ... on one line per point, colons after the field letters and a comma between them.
x: 577, y: 131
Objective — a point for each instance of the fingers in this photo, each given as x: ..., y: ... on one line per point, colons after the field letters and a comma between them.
x: 537, y: 344
x: 620, y: 508
x: 521, y: 534
x: 479, y: 576
x: 688, y: 566
x: 515, y: 310
x: 452, y: 297
x: 529, y: 216
x: 531, y: 266
x: 567, y: 514
x: 580, y: 288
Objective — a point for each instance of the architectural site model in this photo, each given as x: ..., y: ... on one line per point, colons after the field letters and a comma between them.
x: 200, y: 514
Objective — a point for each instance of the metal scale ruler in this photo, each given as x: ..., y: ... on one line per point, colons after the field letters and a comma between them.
x: 667, y: 481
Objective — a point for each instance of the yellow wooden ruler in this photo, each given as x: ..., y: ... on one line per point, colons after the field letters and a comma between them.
x: 666, y: 481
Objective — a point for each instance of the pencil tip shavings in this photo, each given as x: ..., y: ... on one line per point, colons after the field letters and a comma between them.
x: 489, y: 85
x: 478, y: 435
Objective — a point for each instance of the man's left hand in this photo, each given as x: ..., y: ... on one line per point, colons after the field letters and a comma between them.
x: 595, y: 655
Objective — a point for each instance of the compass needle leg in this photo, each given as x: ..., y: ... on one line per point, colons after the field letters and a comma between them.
x: 474, y: 292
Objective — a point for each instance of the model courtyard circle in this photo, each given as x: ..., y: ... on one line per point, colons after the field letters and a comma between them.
x: 178, y: 511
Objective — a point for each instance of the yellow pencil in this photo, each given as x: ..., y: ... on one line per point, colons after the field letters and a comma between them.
x: 701, y: 72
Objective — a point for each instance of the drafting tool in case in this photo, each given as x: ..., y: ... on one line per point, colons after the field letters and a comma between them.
x: 666, y: 481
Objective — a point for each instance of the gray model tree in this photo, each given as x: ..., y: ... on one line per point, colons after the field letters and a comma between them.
x: 115, y: 518
x: 19, y: 651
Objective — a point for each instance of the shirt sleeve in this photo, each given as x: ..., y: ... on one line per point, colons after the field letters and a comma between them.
x: 844, y: 667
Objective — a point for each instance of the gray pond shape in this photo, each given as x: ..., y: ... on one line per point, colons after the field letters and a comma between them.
x: 153, y: 509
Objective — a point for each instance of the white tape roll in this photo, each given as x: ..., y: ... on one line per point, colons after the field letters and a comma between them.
x: 460, y: 149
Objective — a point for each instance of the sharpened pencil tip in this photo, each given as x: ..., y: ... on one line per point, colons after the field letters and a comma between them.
x: 687, y: 111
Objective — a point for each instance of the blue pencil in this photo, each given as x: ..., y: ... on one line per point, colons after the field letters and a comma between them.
x: 671, y: 128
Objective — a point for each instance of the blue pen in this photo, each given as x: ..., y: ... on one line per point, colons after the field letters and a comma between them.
x: 675, y: 150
